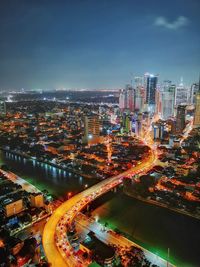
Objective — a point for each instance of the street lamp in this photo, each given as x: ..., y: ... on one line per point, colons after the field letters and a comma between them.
x: 168, y: 252
x: 69, y: 195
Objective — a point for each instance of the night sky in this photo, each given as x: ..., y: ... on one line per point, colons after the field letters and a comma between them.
x: 96, y: 43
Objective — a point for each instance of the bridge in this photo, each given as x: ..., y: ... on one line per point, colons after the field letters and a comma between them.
x: 57, y: 247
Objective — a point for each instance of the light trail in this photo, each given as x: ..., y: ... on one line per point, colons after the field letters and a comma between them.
x: 57, y: 248
x: 56, y: 244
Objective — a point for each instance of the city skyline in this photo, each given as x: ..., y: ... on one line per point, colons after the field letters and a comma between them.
x: 53, y: 148
x: 97, y: 44
x: 99, y: 133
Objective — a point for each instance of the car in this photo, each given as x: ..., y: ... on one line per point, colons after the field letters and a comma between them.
x: 75, y: 238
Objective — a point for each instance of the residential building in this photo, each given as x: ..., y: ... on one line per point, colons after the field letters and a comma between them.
x: 91, y: 129
x: 37, y: 200
x: 14, y: 207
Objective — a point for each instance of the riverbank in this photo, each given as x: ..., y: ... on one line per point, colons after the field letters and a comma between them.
x: 28, y: 187
x: 58, y: 182
x: 109, y: 236
x: 154, y: 228
x: 28, y: 157
x: 151, y: 226
x: 18, y: 180
x: 162, y: 205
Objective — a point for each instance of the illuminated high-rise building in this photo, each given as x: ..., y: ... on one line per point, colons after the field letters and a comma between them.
x: 139, y: 99
x: 122, y: 99
x: 130, y: 97
x: 91, y: 128
x: 139, y: 94
x: 167, y: 100
x: 180, y: 118
x: 150, y: 88
x: 197, y: 109
x: 126, y: 98
x: 158, y: 102
x: 181, y: 94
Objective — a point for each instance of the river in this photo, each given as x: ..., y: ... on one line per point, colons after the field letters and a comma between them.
x: 153, y: 227
x: 44, y: 176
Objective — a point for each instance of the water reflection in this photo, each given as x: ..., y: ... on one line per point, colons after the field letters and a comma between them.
x: 44, y: 176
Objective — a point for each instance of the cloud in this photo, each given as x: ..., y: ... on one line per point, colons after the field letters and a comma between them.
x: 180, y: 22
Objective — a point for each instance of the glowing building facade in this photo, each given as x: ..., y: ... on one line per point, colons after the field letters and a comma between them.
x: 181, y: 94
x: 150, y: 91
x: 91, y: 129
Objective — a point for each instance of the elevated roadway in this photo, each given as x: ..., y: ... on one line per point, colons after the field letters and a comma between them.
x: 55, y: 241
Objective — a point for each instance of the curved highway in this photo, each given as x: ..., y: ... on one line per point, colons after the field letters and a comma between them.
x: 55, y: 241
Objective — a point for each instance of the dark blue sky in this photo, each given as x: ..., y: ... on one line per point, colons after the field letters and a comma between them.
x: 97, y: 43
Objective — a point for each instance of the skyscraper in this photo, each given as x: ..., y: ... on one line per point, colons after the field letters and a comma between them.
x: 180, y: 118
x: 139, y: 121
x: 197, y: 108
x: 158, y: 105
x: 150, y: 86
x: 130, y: 97
x: 167, y: 100
x: 126, y: 98
x: 139, y: 99
x: 181, y: 94
x: 139, y: 93
x: 122, y: 99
